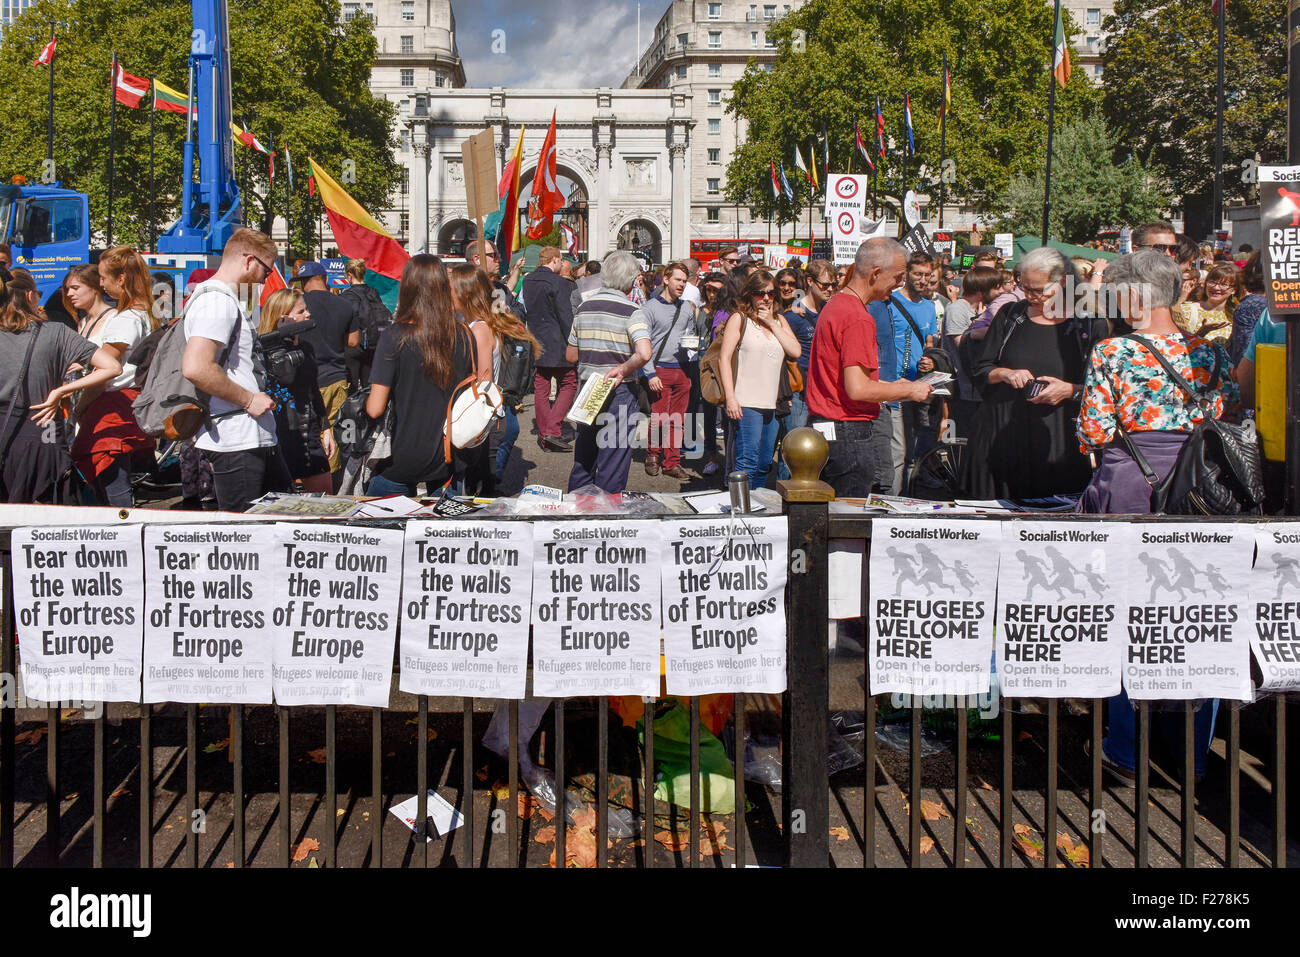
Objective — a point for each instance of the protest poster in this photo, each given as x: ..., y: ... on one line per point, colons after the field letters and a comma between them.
x: 1275, y: 605
x: 1059, y: 634
x: 466, y: 600
x: 917, y: 240
x: 1186, y: 610
x: 724, y: 605
x: 209, y: 594
x: 334, y: 621
x: 1005, y: 244
x: 930, y: 623
x: 790, y: 254
x: 596, y: 608
x: 1279, y: 214
x: 78, y: 596
x: 846, y: 209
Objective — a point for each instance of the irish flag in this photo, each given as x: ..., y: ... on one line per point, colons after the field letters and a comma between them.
x: 1061, y: 54
x: 359, y: 236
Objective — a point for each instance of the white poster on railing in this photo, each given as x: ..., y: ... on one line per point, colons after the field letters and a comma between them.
x: 209, y: 594
x: 465, y: 607
x: 78, y: 598
x: 596, y: 608
x: 930, y: 620
x: 1275, y: 603
x: 724, y: 605
x: 1187, y: 613
x: 1059, y: 633
x: 334, y: 620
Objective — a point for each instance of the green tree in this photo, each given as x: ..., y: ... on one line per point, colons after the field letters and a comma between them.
x: 1160, y: 79
x: 299, y: 76
x: 1090, y: 190
x: 836, y: 56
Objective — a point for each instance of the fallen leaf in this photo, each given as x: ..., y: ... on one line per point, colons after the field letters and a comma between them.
x: 546, y: 835
x: 713, y: 842
x: 71, y: 797
x: 585, y: 818
x: 67, y: 713
x: 119, y: 792
x: 317, y: 756
x: 313, y: 863
x: 339, y: 812
x: 580, y: 846
x: 432, y: 734
x: 985, y: 785
x: 366, y: 815
x: 545, y: 813
x: 308, y: 845
x: 933, y: 810
x: 927, y: 845
x: 1065, y: 842
x: 527, y: 804
x: 674, y: 842
x: 1032, y: 851
x: 840, y: 834
x: 501, y: 792
x: 230, y: 864
x: 1024, y: 736
x: 33, y: 736
x: 216, y: 746
x: 1074, y: 853
x: 415, y: 720
x: 481, y: 773
x: 1022, y: 829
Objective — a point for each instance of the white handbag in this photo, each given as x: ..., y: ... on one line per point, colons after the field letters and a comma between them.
x: 471, y: 414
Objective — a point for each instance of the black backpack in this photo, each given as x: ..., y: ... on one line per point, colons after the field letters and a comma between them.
x: 373, y: 316
x: 517, y: 364
x: 1219, y: 469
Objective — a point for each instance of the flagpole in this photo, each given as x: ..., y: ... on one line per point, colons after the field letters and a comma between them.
x: 902, y: 190
x: 153, y: 108
x: 1218, y: 126
x: 1051, y: 125
x: 49, y: 123
x: 112, y: 138
x: 943, y: 141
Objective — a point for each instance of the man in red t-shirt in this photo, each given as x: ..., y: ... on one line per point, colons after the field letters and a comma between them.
x: 844, y: 390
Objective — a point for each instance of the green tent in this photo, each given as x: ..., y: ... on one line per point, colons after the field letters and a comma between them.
x: 1023, y: 244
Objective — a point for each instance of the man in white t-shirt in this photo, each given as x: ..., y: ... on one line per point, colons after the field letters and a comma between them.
x: 239, y: 437
x: 691, y: 293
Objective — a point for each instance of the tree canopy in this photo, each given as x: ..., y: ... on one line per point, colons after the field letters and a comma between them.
x: 1090, y: 190
x: 851, y: 51
x: 299, y: 76
x: 1160, y: 79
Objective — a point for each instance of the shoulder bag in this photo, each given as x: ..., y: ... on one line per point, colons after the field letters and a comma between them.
x: 710, y: 381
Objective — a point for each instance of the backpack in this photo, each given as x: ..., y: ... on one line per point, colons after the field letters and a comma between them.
x: 517, y: 369
x: 373, y: 316
x: 1218, y: 470
x: 710, y: 381
x: 170, y: 406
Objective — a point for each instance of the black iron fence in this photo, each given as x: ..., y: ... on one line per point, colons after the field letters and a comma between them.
x: 165, y: 790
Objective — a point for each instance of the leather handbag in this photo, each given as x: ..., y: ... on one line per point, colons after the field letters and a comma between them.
x: 710, y: 381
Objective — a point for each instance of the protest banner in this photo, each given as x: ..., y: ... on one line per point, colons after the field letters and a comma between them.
x: 779, y: 257
x: 930, y: 624
x: 724, y: 605
x: 335, y: 615
x: 1059, y: 634
x: 78, y: 595
x: 1279, y: 214
x: 466, y: 600
x: 917, y: 240
x: 209, y: 595
x: 1186, y: 610
x: 1275, y: 602
x: 1005, y: 244
x: 596, y: 598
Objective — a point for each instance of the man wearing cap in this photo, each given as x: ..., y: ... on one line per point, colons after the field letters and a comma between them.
x: 550, y: 316
x: 337, y: 328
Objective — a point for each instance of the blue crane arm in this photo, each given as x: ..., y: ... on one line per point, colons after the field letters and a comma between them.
x: 212, y: 208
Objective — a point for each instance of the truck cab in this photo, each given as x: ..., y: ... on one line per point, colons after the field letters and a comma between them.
x: 47, y: 229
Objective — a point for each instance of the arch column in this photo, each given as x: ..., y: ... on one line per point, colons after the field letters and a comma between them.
x: 419, y: 234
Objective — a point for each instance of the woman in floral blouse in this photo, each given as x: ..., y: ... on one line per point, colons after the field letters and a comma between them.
x: 1126, y: 385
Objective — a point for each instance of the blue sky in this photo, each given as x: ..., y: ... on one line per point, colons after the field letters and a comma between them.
x: 552, y: 43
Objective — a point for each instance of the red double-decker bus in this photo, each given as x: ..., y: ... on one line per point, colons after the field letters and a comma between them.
x: 706, y: 250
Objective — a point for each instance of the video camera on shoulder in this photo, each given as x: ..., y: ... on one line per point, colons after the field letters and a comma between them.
x: 283, y: 359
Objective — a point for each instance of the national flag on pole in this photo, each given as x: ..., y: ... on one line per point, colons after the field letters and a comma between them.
x: 569, y: 236
x: 946, y: 104
x: 907, y: 115
x: 545, y: 197
x: 812, y: 166
x: 271, y: 154
x: 861, y: 144
x: 880, y: 129
x: 274, y: 282
x: 288, y: 167
x: 311, y: 182
x: 785, y: 184
x: 1061, y: 55
x: 47, y: 53
x: 776, y: 186
x: 128, y: 89
x: 798, y: 162
x: 1216, y: 6
x: 826, y: 153
x: 508, y: 189
x: 359, y: 236
x: 165, y: 98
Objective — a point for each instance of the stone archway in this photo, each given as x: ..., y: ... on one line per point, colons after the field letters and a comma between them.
x: 641, y: 236
x: 453, y: 235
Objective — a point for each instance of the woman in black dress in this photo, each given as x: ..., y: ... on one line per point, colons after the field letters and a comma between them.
x: 1030, y: 375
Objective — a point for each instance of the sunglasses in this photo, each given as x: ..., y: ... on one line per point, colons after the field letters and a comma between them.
x: 786, y: 282
x: 828, y: 284
x: 765, y: 294
x: 1165, y: 248
x: 731, y: 261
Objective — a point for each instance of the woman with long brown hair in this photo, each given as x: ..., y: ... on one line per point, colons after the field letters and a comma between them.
x: 34, y: 356
x: 471, y: 291
x: 419, y: 361
x: 301, y: 425
x: 108, y: 437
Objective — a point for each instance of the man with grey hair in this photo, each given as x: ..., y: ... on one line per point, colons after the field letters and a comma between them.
x: 844, y: 389
x: 609, y: 337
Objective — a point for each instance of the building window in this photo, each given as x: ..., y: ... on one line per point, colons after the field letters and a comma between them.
x: 1092, y: 42
x: 715, y: 39
x: 712, y: 185
x: 715, y: 69
x: 351, y: 11
x: 408, y: 44
x: 1096, y: 70
x: 715, y: 126
x: 715, y: 11
x: 752, y: 16
x: 370, y: 12
x: 715, y: 97
x: 404, y: 223
x: 408, y: 77
x: 439, y: 79
x: 767, y: 41
x: 406, y: 181
x: 681, y: 72
x: 786, y: 8
x: 683, y: 39
x: 712, y: 214
x: 769, y: 11
x: 715, y: 156
x: 404, y: 140
x: 753, y: 39
x: 1094, y: 16
x: 767, y: 67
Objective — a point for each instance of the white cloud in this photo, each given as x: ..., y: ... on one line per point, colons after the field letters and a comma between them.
x: 552, y: 43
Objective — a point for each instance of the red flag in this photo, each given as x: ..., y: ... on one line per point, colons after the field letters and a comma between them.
x: 1217, y: 6
x: 273, y: 283
x: 311, y: 185
x: 128, y: 89
x: 47, y: 54
x: 546, y: 198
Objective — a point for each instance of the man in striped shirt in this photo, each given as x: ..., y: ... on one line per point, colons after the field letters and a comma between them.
x: 611, y: 337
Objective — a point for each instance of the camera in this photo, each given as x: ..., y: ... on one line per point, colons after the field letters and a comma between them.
x: 283, y: 360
